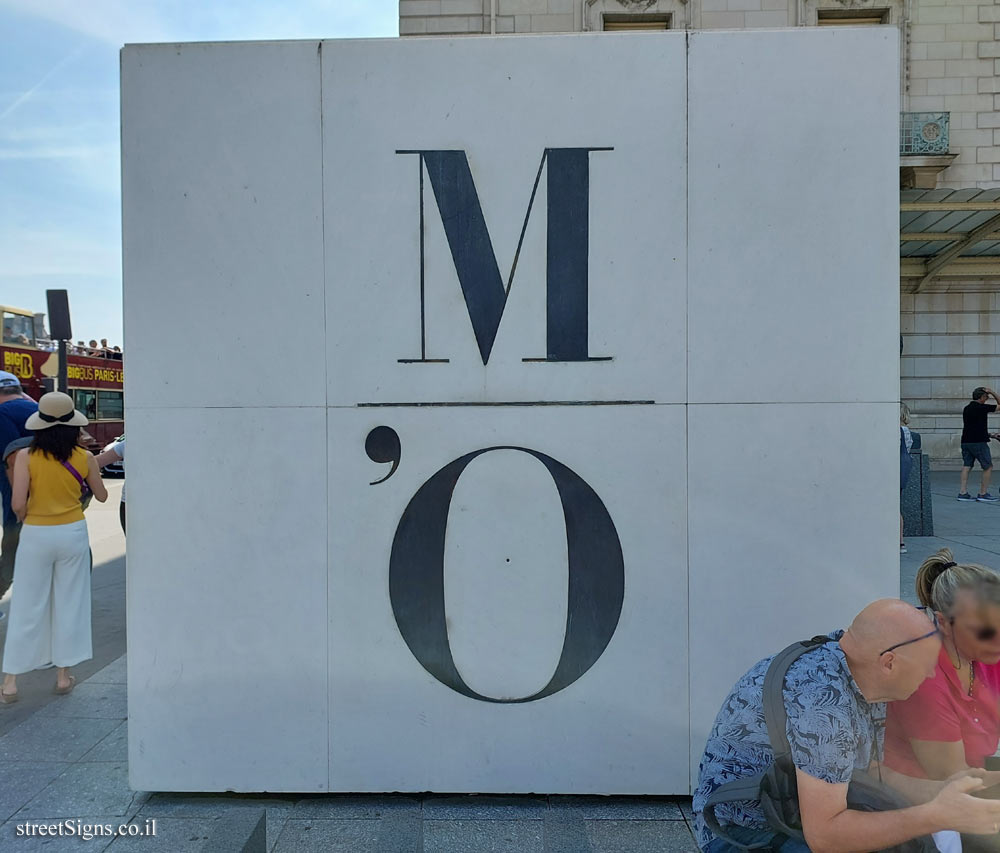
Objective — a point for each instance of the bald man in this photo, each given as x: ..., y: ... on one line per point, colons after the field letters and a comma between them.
x: 835, y: 698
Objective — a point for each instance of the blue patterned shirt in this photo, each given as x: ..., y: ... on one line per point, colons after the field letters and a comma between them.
x: 831, y: 729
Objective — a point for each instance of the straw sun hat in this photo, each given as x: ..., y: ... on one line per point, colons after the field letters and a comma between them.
x: 54, y: 409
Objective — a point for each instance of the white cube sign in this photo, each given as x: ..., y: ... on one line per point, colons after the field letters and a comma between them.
x: 449, y: 486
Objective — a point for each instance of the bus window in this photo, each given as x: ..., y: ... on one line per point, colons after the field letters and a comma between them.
x: 18, y: 329
x: 86, y: 402
x: 110, y: 406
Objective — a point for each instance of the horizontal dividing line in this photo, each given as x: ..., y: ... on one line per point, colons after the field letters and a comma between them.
x: 187, y: 408
x: 463, y: 150
x: 729, y: 403
x: 572, y: 361
x: 511, y: 403
x: 697, y: 404
x: 525, y: 403
x: 953, y: 355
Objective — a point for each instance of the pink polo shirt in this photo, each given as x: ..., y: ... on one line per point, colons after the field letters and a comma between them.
x: 942, y: 711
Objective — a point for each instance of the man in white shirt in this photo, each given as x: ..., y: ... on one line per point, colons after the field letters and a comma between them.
x: 113, y: 454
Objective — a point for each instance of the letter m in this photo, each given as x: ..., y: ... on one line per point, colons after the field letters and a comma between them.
x: 567, y: 246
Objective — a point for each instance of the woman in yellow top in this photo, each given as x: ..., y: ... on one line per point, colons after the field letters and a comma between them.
x: 50, y: 608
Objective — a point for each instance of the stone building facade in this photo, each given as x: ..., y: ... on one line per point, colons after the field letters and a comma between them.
x: 950, y: 99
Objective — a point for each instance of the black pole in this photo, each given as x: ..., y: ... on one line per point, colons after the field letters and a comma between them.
x: 60, y: 330
x: 63, y: 368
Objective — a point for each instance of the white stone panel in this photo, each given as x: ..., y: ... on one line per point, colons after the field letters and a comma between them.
x: 620, y: 727
x: 223, y: 223
x: 794, y: 223
x: 793, y: 515
x: 267, y: 311
x: 226, y: 599
x: 487, y: 98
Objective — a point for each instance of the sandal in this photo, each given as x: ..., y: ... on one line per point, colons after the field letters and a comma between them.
x: 62, y: 691
x: 8, y: 698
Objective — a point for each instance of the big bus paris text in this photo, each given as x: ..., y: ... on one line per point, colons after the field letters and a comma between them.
x: 95, y: 383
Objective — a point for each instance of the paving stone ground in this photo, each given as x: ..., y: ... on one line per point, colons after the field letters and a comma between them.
x: 970, y: 530
x: 68, y: 763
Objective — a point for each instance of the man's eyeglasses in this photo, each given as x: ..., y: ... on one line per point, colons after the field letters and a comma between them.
x: 930, y: 614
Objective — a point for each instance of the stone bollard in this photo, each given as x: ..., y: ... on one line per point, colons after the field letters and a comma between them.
x: 915, y: 501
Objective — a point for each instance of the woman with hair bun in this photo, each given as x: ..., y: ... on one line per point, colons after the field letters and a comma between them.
x: 952, y: 721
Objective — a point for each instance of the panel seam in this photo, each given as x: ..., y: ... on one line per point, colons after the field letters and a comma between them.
x: 687, y: 380
x: 326, y: 400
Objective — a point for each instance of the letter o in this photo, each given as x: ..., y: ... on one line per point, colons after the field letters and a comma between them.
x: 596, y: 576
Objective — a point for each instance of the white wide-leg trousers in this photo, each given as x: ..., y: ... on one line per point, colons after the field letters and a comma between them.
x: 50, y: 601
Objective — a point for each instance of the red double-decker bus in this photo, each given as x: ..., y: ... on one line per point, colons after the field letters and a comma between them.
x: 95, y: 383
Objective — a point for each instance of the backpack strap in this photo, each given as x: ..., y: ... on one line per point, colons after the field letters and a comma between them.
x: 775, y: 715
x: 776, y: 720
x: 746, y: 788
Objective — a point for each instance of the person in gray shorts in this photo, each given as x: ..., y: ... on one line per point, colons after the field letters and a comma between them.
x: 976, y: 444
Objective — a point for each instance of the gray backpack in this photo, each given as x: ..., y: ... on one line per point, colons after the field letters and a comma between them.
x: 776, y: 787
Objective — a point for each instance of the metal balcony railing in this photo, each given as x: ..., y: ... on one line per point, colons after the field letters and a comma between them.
x: 923, y: 133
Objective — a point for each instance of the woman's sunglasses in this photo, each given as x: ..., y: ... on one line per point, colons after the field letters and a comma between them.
x: 983, y: 634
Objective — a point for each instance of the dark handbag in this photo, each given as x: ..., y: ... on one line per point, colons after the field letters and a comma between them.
x: 85, y: 492
x: 777, y: 789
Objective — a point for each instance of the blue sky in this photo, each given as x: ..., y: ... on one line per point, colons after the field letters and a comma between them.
x: 60, y: 208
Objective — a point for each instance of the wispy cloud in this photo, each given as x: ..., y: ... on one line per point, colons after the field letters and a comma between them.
x: 109, y: 21
x: 83, y: 152
x: 118, y: 22
x: 54, y: 152
x: 47, y: 252
x: 59, y: 157
x: 27, y: 95
x: 61, y: 129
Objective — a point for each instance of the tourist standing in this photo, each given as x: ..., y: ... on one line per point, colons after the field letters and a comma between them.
x: 50, y: 615
x: 976, y: 444
x: 905, y: 463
